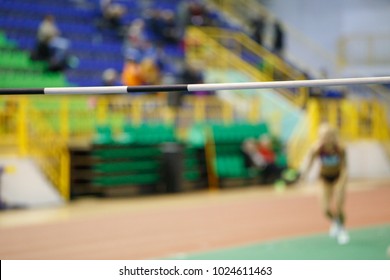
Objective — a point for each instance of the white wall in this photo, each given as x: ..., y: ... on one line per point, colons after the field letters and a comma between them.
x: 314, y: 18
x: 27, y: 186
x: 325, y: 22
x: 362, y: 16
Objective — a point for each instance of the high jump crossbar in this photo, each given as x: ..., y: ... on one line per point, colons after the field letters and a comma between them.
x: 195, y: 87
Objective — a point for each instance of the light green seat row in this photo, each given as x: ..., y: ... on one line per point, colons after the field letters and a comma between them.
x: 237, y: 132
x: 146, y: 134
x: 14, y: 80
x: 231, y: 166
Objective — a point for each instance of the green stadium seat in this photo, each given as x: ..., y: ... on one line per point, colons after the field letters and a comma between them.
x: 103, y: 135
x: 196, y: 136
x: 148, y: 134
x: 19, y: 71
x: 229, y: 162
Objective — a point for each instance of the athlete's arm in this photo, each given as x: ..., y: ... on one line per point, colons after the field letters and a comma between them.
x: 313, y: 153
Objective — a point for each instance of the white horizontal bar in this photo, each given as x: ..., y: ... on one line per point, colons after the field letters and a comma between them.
x: 288, y: 84
x: 87, y: 90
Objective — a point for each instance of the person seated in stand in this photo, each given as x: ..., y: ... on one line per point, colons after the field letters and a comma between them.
x: 51, y: 47
x: 131, y: 74
x: 110, y: 78
x: 252, y: 157
x: 112, y: 14
x: 271, y: 172
x: 150, y: 73
x: 46, y: 32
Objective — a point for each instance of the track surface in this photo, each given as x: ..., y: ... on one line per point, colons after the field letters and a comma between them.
x: 367, y: 243
x: 164, y: 226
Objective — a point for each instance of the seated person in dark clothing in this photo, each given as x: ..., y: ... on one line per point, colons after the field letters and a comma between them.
x: 271, y: 172
x: 47, y: 32
x: 51, y: 47
x: 112, y: 14
x: 260, y: 156
x: 252, y: 157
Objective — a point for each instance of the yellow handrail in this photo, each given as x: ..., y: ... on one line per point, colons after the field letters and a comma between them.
x: 356, y: 119
x: 50, y: 151
x: 206, y: 45
x: 373, y: 49
x: 34, y: 137
x: 202, y: 48
x: 241, y: 10
x: 22, y: 126
x: 244, y: 42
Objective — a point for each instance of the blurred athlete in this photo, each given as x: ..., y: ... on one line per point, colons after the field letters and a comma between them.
x: 333, y: 175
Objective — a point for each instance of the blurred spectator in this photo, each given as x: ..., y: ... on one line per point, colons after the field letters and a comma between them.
x: 131, y: 74
x: 192, y: 74
x: 182, y: 15
x: 112, y: 15
x: 271, y: 172
x: 198, y: 13
x: 279, y: 39
x: 155, y: 53
x: 47, y: 31
x: 257, y: 26
x: 110, y: 77
x: 252, y: 157
x: 170, y: 32
x: 135, y: 37
x: 193, y: 12
x: 260, y: 156
x: 162, y: 26
x: 265, y: 149
x: 152, y: 20
x: 51, y: 47
x: 148, y: 50
x: 150, y: 74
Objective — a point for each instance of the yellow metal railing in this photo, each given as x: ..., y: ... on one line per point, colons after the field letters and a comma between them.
x: 202, y: 48
x: 48, y: 148
x: 33, y: 136
x: 223, y: 49
x: 8, y: 124
x: 363, y: 49
x: 41, y: 127
x: 30, y: 123
x: 77, y: 117
x: 242, y: 11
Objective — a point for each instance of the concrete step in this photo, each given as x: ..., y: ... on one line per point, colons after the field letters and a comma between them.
x: 27, y: 186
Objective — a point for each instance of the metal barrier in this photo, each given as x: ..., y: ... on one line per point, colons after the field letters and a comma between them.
x: 77, y: 117
x: 31, y: 135
x: 223, y: 49
x: 41, y: 127
x: 363, y: 50
x: 302, y: 50
x: 8, y: 124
